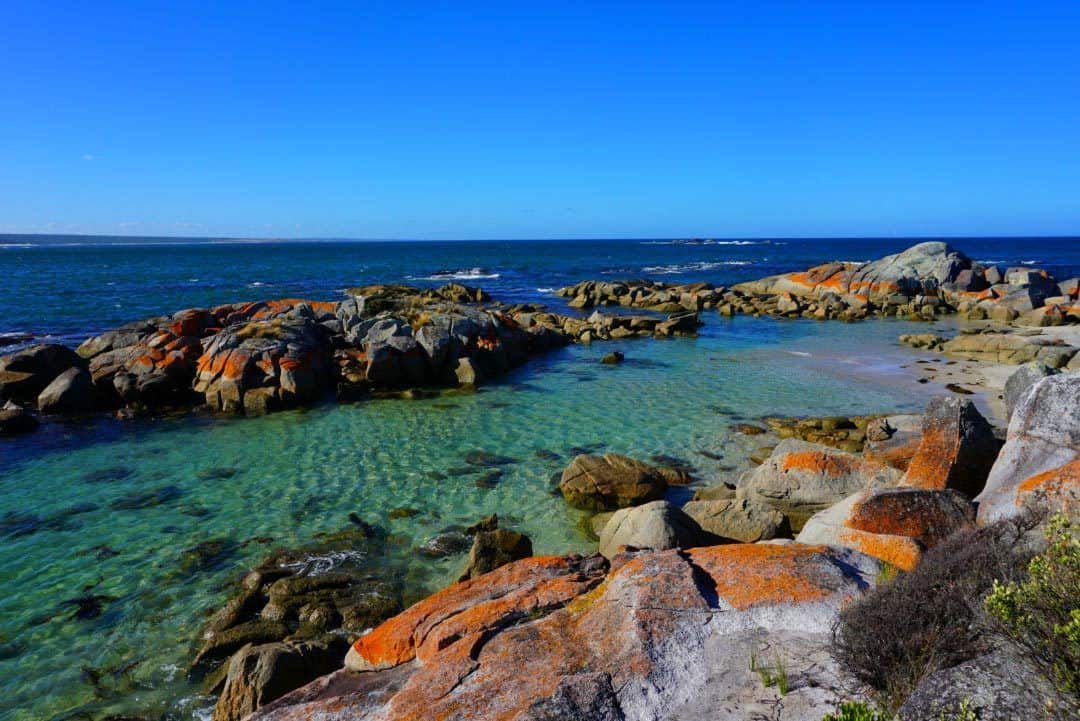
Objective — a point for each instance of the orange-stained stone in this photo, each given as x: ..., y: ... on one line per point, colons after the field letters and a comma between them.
x: 926, y: 516
x: 899, y: 551
x: 757, y: 574
x: 481, y: 602
x: 1059, y: 488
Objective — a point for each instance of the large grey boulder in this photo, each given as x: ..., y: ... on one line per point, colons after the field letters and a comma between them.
x: 610, y: 481
x: 656, y: 526
x: 71, y: 392
x: 999, y: 686
x: 739, y: 519
x: 1044, y: 434
x: 801, y: 478
x: 1022, y: 380
x: 920, y: 269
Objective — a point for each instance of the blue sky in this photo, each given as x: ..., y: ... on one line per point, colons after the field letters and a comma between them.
x: 547, y: 119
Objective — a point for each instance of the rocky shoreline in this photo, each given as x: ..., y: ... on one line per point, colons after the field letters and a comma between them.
x: 691, y: 608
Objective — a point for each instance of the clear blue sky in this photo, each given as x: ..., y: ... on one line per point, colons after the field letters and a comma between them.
x: 541, y: 119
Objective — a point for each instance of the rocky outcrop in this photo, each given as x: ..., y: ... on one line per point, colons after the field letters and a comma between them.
x: 663, y: 297
x: 254, y: 358
x: 894, y: 525
x: 1044, y: 434
x: 741, y: 520
x: 802, y: 478
x: 610, y: 481
x: 957, y: 448
x: 657, y: 526
x: 893, y: 440
x: 636, y: 646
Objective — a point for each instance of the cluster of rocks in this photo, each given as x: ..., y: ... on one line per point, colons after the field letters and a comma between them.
x: 713, y: 585
x: 255, y: 358
x: 921, y: 283
x: 646, y: 294
x: 294, y: 615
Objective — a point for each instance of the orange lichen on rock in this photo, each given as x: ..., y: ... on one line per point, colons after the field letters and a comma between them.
x: 754, y: 574
x: 1059, y: 488
x: 832, y: 464
x: 899, y: 551
x: 484, y: 602
x: 926, y: 516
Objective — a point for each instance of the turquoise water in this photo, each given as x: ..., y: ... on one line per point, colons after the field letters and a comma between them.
x: 289, y: 476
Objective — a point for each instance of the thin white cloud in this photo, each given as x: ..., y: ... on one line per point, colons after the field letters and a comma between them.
x: 88, y: 157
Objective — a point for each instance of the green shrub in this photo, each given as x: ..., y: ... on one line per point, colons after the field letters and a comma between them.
x: 1041, y: 613
x: 857, y: 711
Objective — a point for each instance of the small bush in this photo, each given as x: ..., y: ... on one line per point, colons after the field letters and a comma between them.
x: 1042, y: 612
x: 771, y: 675
x: 931, y: 618
x: 857, y: 711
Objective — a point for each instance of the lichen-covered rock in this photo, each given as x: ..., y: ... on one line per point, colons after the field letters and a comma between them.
x: 662, y: 629
x: 802, y: 478
x: 258, y: 366
x: 1044, y: 434
x: 957, y: 449
x: 609, y: 482
x: 893, y: 440
x: 741, y: 520
x: 657, y: 525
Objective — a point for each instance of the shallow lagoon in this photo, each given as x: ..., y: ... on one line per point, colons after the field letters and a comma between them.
x: 145, y: 494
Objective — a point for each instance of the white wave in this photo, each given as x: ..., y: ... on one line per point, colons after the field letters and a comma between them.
x: 677, y: 268
x: 459, y: 274
x: 256, y: 284
x: 19, y: 245
x: 801, y: 354
x: 319, y: 564
x: 545, y: 290
x: 709, y: 241
x: 1030, y: 262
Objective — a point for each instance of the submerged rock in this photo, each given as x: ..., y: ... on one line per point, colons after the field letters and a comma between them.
x: 15, y: 421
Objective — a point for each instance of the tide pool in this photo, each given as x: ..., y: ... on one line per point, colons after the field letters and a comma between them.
x: 144, y: 527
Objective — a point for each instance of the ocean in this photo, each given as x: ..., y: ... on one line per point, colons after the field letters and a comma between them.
x: 122, y: 513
